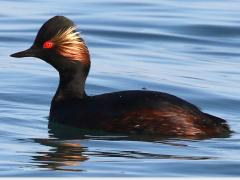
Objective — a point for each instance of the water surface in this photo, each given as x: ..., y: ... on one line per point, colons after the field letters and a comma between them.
x: 188, y: 48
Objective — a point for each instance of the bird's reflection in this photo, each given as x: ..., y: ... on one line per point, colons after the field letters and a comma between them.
x: 66, y: 152
x: 63, y: 154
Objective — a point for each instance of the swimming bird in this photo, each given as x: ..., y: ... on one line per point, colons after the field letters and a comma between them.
x: 130, y: 112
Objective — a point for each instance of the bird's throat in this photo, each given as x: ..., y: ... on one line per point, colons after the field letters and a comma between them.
x: 71, y: 85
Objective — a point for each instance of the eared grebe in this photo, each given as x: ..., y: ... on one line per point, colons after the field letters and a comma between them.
x: 142, y: 112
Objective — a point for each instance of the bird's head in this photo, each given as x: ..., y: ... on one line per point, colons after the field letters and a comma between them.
x: 59, y: 44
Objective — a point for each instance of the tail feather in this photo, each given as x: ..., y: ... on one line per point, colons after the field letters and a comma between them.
x: 220, y: 125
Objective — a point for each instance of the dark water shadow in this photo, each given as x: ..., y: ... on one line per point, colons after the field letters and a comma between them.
x: 67, y: 151
x: 62, y: 156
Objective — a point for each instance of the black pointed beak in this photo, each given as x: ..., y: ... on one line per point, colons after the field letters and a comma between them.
x: 31, y: 52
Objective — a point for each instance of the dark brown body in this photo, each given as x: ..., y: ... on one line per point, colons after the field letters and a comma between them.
x: 141, y: 112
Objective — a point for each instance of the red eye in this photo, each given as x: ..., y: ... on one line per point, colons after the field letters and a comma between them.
x: 48, y: 45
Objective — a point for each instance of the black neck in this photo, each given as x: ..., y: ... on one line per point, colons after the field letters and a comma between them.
x: 72, y: 83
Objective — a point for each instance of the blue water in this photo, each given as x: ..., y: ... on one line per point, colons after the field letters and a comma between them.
x: 187, y: 48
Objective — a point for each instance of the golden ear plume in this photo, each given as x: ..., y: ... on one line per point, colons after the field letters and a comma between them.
x: 69, y: 44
